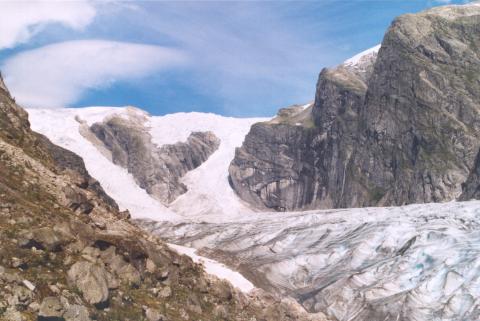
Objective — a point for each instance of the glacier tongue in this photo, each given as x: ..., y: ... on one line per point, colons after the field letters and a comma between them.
x: 417, y: 262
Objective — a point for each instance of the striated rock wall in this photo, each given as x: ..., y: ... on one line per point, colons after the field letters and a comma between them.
x: 156, y: 169
x: 395, y: 129
x: 270, y: 172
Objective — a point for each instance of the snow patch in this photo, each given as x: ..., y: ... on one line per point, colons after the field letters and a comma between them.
x: 215, y: 268
x: 359, y: 57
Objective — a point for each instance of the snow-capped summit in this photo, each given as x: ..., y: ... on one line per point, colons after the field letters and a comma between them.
x: 364, y: 55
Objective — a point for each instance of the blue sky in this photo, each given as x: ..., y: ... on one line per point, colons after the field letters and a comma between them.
x: 232, y: 58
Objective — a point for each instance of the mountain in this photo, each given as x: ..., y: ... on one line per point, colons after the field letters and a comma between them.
x: 395, y: 128
x: 68, y: 253
x: 394, y: 125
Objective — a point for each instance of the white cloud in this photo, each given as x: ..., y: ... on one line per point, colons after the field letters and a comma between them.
x: 23, y: 19
x: 57, y: 75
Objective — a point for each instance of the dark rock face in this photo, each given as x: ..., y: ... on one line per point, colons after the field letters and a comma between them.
x: 286, y: 178
x: 156, y: 169
x: 401, y: 128
x: 471, y: 188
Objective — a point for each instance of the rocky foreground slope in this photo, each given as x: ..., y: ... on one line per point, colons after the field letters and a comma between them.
x: 68, y: 253
x: 398, y: 128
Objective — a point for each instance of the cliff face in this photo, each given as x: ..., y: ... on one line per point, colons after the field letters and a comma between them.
x: 299, y: 159
x: 270, y: 172
x: 395, y: 129
x: 156, y: 169
x: 420, y: 121
x: 67, y: 253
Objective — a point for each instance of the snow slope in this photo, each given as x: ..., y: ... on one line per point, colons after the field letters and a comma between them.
x: 209, y: 196
x: 215, y: 268
x: 61, y: 127
x: 202, y: 201
x: 362, y: 56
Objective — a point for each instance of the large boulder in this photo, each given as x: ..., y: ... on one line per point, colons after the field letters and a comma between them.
x: 92, y: 280
x: 76, y: 313
x: 51, y: 309
x: 52, y: 239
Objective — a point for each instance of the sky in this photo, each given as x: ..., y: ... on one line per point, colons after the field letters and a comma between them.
x: 240, y: 59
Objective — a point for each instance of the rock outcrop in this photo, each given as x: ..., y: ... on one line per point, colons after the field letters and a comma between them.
x: 402, y: 128
x: 471, y: 188
x: 67, y: 253
x: 156, y: 169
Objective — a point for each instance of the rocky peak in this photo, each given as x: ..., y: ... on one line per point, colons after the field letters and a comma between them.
x: 286, y: 163
x: 362, y: 63
x: 420, y: 118
x: 392, y: 128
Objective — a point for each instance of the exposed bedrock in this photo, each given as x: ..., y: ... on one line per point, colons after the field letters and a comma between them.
x: 299, y: 159
x: 395, y: 129
x: 156, y: 169
x: 471, y: 188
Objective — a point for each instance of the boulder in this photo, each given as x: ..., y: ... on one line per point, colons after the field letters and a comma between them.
x: 92, y: 280
x: 76, y: 313
x: 45, y: 238
x: 154, y: 315
x: 51, y: 309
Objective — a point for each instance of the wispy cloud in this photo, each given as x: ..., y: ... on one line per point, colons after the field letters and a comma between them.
x: 244, y: 50
x: 57, y: 75
x: 23, y: 19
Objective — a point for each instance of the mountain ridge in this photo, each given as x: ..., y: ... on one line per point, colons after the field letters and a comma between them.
x: 404, y: 132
